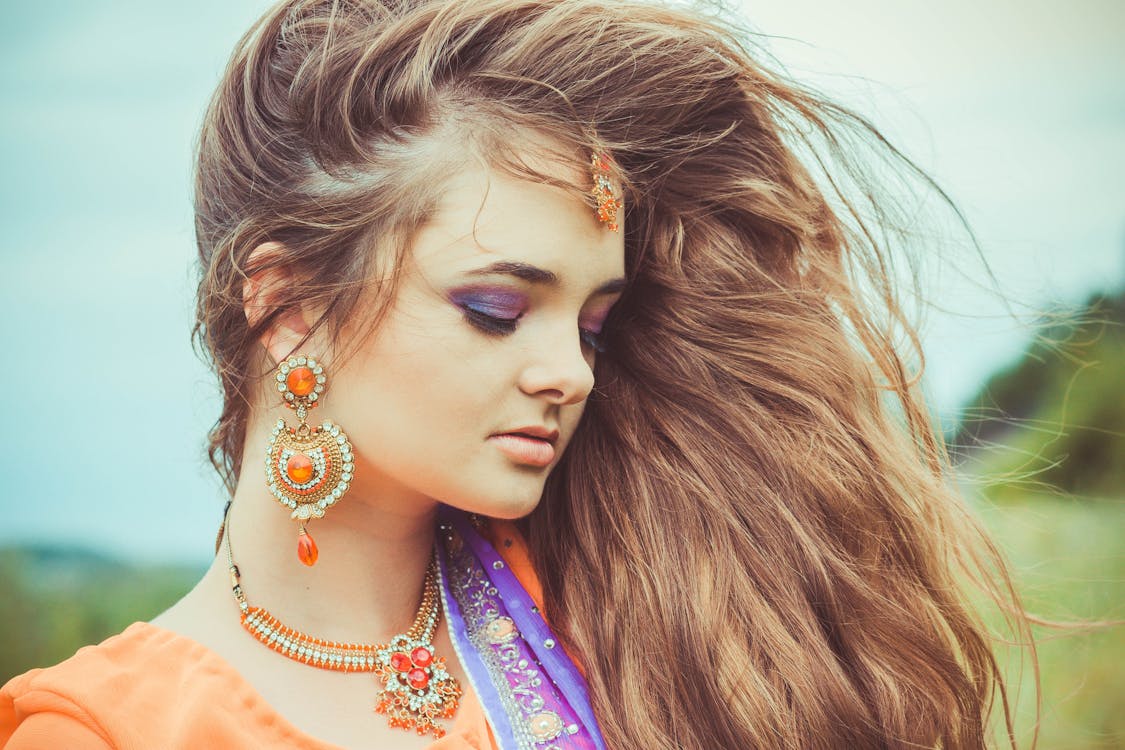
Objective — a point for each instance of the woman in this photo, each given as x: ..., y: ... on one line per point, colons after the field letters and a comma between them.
x: 555, y: 397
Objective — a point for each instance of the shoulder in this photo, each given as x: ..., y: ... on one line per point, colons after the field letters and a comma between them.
x: 110, y: 694
x: 36, y: 717
x: 58, y: 706
x: 144, y: 684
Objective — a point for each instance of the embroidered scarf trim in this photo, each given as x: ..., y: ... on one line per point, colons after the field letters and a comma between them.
x: 532, y: 693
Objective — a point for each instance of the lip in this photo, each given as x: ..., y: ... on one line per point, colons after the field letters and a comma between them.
x: 524, y: 447
x: 535, y: 431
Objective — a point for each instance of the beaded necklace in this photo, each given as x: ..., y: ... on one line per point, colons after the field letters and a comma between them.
x: 417, y: 689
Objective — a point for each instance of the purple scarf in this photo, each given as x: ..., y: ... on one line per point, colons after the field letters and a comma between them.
x: 531, y: 692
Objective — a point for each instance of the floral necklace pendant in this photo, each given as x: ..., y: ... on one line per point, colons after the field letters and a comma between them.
x: 417, y: 688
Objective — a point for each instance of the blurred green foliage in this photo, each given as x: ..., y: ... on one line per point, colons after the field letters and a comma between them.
x: 1055, y: 420
x: 56, y: 600
x: 1068, y: 563
x: 1044, y: 443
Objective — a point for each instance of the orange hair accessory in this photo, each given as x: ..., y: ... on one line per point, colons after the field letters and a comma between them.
x: 608, y: 204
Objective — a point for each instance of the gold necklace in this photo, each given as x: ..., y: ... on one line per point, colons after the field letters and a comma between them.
x: 417, y: 689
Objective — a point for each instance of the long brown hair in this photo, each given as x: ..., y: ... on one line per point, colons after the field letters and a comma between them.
x: 753, y: 539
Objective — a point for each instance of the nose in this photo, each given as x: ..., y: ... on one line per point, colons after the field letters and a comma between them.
x: 558, y: 369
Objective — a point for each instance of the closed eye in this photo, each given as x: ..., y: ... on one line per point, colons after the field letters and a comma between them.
x: 490, y: 324
x: 495, y: 326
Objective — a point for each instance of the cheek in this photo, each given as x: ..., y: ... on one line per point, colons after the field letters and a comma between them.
x: 569, y: 417
x: 426, y: 374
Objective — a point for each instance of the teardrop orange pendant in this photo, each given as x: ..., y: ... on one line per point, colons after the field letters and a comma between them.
x: 306, y: 547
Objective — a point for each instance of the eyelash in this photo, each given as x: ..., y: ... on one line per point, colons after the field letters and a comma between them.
x: 494, y: 326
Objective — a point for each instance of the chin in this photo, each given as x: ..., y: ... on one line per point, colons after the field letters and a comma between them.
x: 504, y: 506
x: 512, y: 512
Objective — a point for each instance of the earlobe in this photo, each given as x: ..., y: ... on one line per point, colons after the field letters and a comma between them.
x: 260, y: 297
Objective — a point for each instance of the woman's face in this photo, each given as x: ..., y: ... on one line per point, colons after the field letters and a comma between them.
x: 494, y: 330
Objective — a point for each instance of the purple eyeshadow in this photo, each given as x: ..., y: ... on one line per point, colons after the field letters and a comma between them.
x: 595, y: 322
x: 497, y: 303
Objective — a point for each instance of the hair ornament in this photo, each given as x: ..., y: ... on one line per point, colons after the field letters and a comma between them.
x: 608, y: 203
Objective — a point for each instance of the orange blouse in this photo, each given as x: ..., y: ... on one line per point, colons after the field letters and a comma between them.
x: 149, y: 687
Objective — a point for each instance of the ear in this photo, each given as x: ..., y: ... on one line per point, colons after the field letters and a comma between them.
x: 259, y: 297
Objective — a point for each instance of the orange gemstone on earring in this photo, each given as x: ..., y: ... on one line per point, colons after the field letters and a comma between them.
x: 306, y: 549
x: 301, y: 381
x: 299, y: 467
x: 418, y: 678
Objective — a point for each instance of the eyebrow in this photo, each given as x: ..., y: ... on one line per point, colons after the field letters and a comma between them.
x: 536, y: 275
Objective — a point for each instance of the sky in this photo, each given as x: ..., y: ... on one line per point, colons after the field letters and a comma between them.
x: 1017, y: 108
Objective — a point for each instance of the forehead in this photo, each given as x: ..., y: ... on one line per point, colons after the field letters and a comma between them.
x: 486, y: 215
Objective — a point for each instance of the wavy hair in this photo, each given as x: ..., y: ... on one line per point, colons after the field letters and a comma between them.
x: 753, y: 540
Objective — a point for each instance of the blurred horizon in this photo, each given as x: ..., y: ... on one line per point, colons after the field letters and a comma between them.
x: 1025, y: 129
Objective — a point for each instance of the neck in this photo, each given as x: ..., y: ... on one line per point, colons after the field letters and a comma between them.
x: 366, y: 586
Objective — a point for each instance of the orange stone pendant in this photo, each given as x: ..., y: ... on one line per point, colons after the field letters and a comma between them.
x: 417, y: 690
x: 306, y: 547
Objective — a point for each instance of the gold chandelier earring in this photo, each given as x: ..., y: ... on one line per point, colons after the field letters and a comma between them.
x: 308, y: 469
